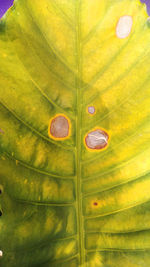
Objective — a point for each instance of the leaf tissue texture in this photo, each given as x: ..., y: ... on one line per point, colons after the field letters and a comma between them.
x: 75, y: 134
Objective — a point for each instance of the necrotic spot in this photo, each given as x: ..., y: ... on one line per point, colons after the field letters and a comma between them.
x: 0, y: 213
x: 124, y: 27
x: 95, y: 204
x: 91, y: 110
x: 1, y: 253
x: 97, y: 139
x: 59, y: 127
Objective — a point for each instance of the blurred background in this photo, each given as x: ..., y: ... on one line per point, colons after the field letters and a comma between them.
x: 5, y: 4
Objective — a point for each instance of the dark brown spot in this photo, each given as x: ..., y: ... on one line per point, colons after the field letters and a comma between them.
x: 95, y: 204
x: 97, y: 139
x: 0, y: 191
x: 59, y: 127
x: 1, y: 213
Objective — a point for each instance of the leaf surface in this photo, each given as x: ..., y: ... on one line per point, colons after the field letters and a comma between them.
x: 74, y: 134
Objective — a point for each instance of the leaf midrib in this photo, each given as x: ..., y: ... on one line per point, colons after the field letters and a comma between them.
x: 78, y: 136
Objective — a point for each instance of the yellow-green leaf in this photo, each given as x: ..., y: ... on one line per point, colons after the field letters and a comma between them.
x: 74, y: 134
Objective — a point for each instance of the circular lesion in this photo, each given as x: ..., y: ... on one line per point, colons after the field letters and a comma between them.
x: 91, y: 110
x: 124, y: 26
x: 95, y: 204
x: 97, y: 139
x: 59, y: 127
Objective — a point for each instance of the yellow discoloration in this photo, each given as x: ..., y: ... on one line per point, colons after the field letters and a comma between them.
x: 49, y: 223
x: 70, y: 222
x: 59, y: 226
x: 23, y: 231
x: 69, y: 248
x: 95, y: 261
x: 50, y: 190
x: 41, y: 155
x: 54, y: 29
x: 65, y: 249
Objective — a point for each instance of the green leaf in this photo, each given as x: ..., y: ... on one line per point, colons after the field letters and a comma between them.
x: 74, y: 134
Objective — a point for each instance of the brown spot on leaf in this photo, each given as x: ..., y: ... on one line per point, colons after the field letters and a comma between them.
x: 59, y: 127
x: 97, y: 139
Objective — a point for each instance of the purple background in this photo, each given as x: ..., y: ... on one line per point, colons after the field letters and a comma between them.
x: 5, y: 4
x: 148, y: 5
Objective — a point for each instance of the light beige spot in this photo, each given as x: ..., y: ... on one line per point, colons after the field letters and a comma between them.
x: 124, y: 27
x: 91, y: 109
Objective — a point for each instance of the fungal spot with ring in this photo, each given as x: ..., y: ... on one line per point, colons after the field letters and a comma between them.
x: 97, y: 139
x: 124, y: 26
x: 91, y: 110
x: 59, y: 127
